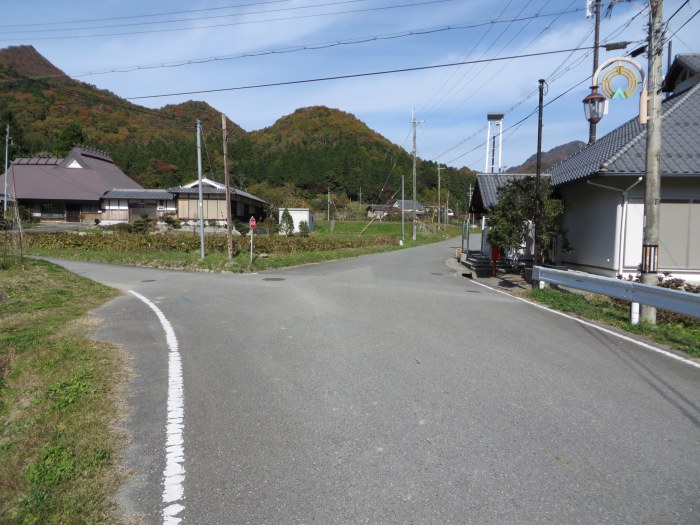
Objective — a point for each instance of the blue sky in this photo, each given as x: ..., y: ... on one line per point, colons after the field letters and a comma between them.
x: 140, y: 48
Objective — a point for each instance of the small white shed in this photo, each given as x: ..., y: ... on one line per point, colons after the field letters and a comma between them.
x: 298, y: 215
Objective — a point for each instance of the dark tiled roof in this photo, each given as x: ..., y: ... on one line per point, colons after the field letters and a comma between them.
x: 682, y: 64
x: 408, y: 204
x: 51, y: 178
x: 37, y: 161
x: 242, y: 193
x: 94, y: 153
x: 690, y: 62
x: 205, y: 189
x: 487, y: 186
x: 139, y: 194
x: 623, y: 150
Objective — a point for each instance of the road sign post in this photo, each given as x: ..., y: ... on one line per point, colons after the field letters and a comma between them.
x: 252, y: 224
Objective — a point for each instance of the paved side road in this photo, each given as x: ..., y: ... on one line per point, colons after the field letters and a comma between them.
x: 389, y: 389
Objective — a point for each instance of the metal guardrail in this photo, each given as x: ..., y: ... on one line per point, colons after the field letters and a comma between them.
x: 663, y: 298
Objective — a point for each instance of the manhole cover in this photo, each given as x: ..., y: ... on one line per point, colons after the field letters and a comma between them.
x: 473, y: 291
x: 148, y: 281
x: 273, y: 279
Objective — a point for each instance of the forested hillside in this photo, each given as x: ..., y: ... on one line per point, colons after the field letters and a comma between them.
x: 305, y: 153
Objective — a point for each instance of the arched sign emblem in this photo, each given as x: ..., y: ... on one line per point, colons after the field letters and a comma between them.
x: 619, y: 92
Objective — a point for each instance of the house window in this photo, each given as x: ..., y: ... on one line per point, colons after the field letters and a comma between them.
x: 53, y: 210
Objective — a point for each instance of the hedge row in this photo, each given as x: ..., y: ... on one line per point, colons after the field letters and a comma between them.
x: 178, y: 242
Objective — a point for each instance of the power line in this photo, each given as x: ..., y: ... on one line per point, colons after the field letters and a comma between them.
x: 317, y: 45
x: 684, y: 24
x: 426, y: 108
x: 354, y: 75
x: 299, y: 17
x: 515, y: 34
x: 304, y: 47
x: 131, y: 17
x: 158, y: 22
x: 555, y: 75
x: 513, y: 127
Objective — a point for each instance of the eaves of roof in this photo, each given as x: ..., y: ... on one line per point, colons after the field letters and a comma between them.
x: 623, y: 150
x: 138, y: 194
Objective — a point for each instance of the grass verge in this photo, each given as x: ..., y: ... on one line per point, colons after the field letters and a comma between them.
x: 678, y: 332
x: 59, y: 399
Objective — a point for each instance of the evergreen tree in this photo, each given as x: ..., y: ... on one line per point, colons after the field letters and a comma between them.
x: 287, y: 223
x: 71, y: 135
x: 512, y: 218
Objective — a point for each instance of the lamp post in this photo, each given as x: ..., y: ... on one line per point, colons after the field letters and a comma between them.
x: 594, y: 103
x: 592, y: 108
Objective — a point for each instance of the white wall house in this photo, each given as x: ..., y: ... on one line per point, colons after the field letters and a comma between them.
x: 298, y: 215
x: 603, y: 189
x: 128, y: 205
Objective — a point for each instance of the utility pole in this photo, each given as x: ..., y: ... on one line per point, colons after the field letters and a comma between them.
x: 537, y: 176
x: 650, y: 247
x: 447, y: 207
x: 414, y: 122
x: 403, y: 201
x: 469, y: 206
x: 201, y: 199
x: 227, y: 182
x: 328, y: 204
x: 439, y: 209
x: 7, y: 151
x: 596, y: 43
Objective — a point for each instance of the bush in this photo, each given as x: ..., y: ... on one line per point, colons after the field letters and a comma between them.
x: 143, y: 224
x: 120, y: 227
x: 122, y: 242
x: 171, y: 221
x: 304, y: 229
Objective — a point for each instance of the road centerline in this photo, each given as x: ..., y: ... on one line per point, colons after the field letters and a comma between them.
x: 174, y: 472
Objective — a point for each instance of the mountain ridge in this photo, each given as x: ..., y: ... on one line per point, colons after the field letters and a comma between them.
x: 313, y: 148
x: 549, y: 158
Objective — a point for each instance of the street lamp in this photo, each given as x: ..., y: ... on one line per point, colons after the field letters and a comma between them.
x: 594, y: 103
x: 594, y: 106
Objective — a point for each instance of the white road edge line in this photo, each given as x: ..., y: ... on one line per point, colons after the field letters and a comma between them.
x: 600, y: 328
x: 174, y: 472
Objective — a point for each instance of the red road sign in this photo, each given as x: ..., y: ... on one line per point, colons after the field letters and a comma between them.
x: 252, y: 222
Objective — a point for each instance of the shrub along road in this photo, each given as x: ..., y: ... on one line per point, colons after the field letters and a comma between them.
x: 388, y: 389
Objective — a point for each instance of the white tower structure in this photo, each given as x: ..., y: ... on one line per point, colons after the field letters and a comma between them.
x: 496, y: 118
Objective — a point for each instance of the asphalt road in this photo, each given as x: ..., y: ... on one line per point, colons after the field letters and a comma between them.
x: 388, y: 389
